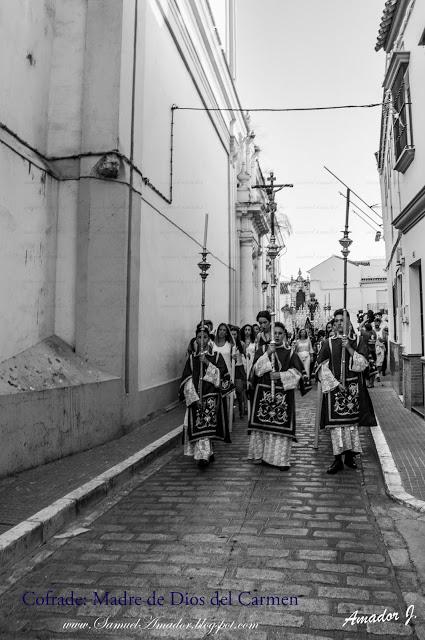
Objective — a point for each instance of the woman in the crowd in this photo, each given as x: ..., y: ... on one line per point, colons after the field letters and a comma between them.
x: 223, y: 344
x: 248, y: 342
x: 304, y: 349
x: 240, y: 371
x: 329, y: 329
x: 255, y: 330
x: 264, y: 320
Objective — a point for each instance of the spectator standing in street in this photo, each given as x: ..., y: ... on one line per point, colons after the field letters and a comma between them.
x: 369, y: 336
x: 272, y: 421
x: 345, y: 406
x: 379, y: 347
x: 205, y: 383
x: 385, y: 331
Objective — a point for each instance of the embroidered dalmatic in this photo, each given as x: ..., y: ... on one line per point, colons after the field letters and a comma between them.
x: 201, y: 425
x: 272, y: 421
x: 343, y: 410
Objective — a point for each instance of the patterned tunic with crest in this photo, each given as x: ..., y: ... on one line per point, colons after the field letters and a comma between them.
x: 211, y: 421
x: 351, y: 406
x: 275, y: 416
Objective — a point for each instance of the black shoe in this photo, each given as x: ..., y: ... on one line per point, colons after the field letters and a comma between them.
x: 337, y: 465
x: 212, y: 458
x: 349, y: 461
x: 285, y: 468
x: 203, y: 463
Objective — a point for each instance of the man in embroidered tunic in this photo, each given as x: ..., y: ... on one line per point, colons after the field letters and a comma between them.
x: 272, y: 421
x: 346, y: 406
x: 204, y: 384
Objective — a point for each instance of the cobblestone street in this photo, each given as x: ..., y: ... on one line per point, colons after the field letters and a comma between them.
x: 236, y: 527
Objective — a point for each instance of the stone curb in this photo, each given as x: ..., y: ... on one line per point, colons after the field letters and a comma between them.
x: 37, y: 529
x: 392, y: 479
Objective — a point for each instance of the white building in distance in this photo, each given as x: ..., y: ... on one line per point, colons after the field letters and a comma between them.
x: 366, y: 284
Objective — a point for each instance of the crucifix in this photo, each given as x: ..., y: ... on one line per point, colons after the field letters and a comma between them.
x: 272, y: 250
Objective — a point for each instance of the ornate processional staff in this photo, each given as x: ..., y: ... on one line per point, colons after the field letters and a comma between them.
x: 272, y: 251
x: 345, y: 243
x: 203, y: 266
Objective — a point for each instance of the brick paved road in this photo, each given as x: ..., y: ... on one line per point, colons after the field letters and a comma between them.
x: 234, y: 527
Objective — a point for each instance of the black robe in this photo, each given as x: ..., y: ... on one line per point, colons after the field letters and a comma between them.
x: 212, y: 421
x: 352, y: 406
x: 274, y: 416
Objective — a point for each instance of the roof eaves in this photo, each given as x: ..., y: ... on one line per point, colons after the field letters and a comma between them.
x: 386, y: 22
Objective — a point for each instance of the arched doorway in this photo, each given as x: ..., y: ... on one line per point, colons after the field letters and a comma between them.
x: 299, y: 299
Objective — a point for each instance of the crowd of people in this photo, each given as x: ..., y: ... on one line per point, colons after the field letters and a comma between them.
x: 261, y: 374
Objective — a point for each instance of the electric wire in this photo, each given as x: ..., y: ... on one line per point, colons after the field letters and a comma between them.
x: 281, y: 109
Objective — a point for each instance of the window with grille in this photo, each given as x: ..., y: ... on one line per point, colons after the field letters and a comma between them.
x: 401, y: 112
x: 396, y: 84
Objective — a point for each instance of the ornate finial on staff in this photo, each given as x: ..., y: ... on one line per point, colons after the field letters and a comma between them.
x: 203, y: 266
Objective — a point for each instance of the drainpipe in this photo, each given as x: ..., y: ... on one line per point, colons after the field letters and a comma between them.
x: 130, y: 213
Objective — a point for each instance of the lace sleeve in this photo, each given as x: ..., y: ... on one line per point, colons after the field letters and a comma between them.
x: 327, y: 378
x: 290, y: 378
x: 190, y: 394
x: 358, y: 362
x: 263, y: 365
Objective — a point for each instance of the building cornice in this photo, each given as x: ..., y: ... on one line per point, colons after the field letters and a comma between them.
x: 412, y: 213
x: 189, y: 38
x: 398, y: 58
x: 256, y: 212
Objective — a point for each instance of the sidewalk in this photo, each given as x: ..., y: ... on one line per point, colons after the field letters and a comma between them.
x: 400, y: 442
x: 36, y: 502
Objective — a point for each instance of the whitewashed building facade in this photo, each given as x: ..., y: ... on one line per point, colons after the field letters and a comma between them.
x: 401, y: 162
x: 122, y: 129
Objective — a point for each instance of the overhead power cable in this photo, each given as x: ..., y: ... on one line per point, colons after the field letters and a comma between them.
x: 354, y: 204
x: 353, y: 192
x: 340, y: 106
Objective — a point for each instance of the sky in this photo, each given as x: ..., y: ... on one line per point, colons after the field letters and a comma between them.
x: 306, y: 53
